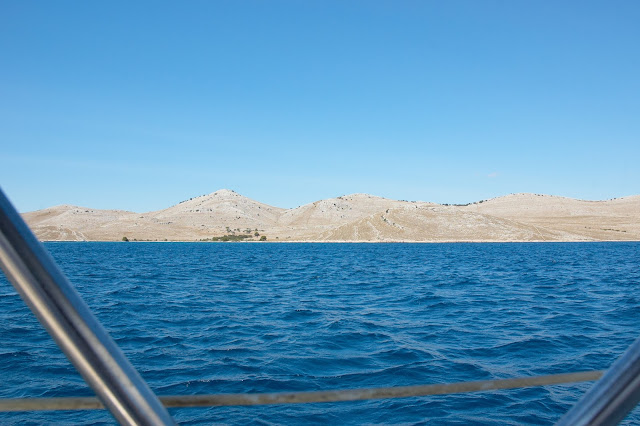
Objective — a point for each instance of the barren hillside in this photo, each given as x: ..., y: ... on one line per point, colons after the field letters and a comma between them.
x: 617, y: 219
x: 357, y: 217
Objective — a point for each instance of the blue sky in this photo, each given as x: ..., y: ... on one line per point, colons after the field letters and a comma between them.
x: 140, y: 105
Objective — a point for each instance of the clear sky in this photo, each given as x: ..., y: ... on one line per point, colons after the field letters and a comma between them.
x: 140, y: 105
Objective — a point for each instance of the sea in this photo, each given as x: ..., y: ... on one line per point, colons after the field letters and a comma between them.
x: 205, y: 318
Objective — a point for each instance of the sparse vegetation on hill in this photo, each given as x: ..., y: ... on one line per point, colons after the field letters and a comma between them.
x: 229, y: 237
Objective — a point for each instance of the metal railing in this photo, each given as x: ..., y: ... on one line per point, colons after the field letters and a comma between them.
x: 67, y: 318
x: 120, y: 389
x: 613, y: 396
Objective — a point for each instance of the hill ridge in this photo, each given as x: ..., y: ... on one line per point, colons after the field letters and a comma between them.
x: 352, y: 217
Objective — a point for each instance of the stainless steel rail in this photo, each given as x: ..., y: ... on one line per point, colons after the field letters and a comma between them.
x: 613, y: 396
x: 61, y: 310
x: 341, y: 395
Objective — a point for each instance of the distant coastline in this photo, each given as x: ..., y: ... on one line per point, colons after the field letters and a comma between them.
x: 228, y: 216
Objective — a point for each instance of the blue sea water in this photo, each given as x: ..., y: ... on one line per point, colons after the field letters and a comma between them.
x: 202, y: 318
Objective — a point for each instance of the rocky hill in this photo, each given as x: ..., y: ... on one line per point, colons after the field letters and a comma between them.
x: 227, y: 215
